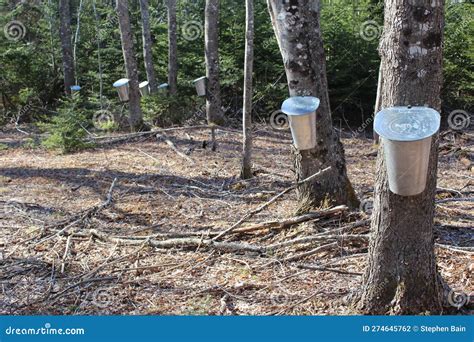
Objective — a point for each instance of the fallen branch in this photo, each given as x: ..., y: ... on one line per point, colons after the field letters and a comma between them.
x: 174, y: 148
x: 463, y: 199
x: 81, y: 217
x: 185, y: 242
x: 317, y: 250
x: 125, y: 137
x: 312, y: 238
x: 285, y: 223
x: 326, y: 269
x: 266, y: 204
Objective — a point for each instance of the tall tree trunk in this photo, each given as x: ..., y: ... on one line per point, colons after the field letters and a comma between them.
x: 378, y: 101
x: 66, y: 44
x: 401, y: 275
x: 172, y: 49
x: 147, y: 51
x: 135, y: 118
x: 211, y: 32
x: 247, y: 105
x: 297, y: 28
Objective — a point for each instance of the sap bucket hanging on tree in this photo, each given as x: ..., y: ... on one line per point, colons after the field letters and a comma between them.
x: 122, y: 89
x: 163, y: 88
x: 75, y: 88
x: 406, y: 138
x: 144, y: 88
x: 301, y: 111
x: 200, y: 84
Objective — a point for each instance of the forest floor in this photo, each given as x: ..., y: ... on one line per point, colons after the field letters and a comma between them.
x: 74, y: 241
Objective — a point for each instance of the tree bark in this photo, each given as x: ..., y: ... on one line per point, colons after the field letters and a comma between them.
x: 401, y: 276
x: 248, y: 92
x: 297, y: 28
x: 172, y: 49
x: 66, y: 44
x: 213, y: 94
x: 147, y: 46
x: 135, y: 117
x: 378, y: 101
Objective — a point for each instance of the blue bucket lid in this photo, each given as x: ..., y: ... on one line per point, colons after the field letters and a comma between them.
x: 407, y: 123
x: 300, y: 105
x: 121, y: 82
x: 163, y: 85
x: 75, y: 87
x: 198, y: 79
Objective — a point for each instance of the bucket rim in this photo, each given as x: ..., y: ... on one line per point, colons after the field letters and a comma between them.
x: 121, y: 82
x: 406, y: 123
x: 300, y: 105
x: 200, y: 78
x: 143, y: 84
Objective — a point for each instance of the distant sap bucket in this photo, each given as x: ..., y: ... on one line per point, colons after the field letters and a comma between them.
x: 301, y: 111
x: 200, y: 84
x: 75, y: 87
x: 163, y: 87
x: 406, y: 139
x: 122, y: 89
x: 144, y: 88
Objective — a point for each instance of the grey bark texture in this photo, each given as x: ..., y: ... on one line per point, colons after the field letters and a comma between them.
x: 378, y: 101
x: 211, y: 41
x: 135, y: 117
x: 66, y: 44
x: 248, y: 92
x: 401, y: 276
x: 147, y: 45
x: 172, y: 48
x: 297, y: 28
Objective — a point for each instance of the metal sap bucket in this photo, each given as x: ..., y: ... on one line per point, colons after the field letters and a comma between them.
x: 75, y: 88
x: 301, y: 111
x: 162, y: 88
x: 200, y: 84
x: 144, y: 88
x: 406, y: 139
x: 122, y: 89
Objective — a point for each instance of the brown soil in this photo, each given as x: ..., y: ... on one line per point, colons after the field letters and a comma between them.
x: 159, y: 192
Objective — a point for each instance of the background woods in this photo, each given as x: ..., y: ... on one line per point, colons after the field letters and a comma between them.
x: 118, y: 197
x: 32, y: 55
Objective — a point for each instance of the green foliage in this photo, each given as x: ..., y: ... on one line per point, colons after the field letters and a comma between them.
x: 458, y: 68
x: 68, y: 128
x: 163, y: 110
x: 31, y: 65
